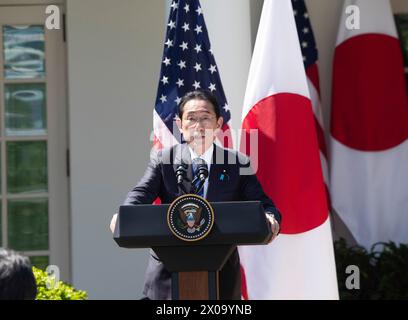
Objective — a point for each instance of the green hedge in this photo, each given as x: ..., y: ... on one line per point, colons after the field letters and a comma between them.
x: 383, y: 270
x: 60, y: 291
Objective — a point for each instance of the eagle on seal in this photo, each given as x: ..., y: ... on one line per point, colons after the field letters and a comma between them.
x: 190, y: 214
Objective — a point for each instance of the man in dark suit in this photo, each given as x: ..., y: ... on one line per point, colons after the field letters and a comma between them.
x: 229, y: 180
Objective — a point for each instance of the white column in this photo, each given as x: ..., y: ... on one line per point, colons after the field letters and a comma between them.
x: 229, y: 27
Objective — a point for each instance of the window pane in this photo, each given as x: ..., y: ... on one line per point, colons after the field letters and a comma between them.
x: 23, y: 52
x: 27, y: 167
x: 40, y: 262
x: 28, y: 224
x: 25, y: 109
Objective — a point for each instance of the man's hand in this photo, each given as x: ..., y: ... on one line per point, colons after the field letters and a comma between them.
x: 274, y: 226
x: 113, y: 222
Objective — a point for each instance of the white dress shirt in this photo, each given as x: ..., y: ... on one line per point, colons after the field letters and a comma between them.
x: 207, y: 157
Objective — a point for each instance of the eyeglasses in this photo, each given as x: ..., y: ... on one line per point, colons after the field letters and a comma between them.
x: 206, y: 121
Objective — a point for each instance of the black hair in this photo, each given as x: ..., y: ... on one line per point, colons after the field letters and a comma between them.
x: 199, y: 95
x: 17, y: 281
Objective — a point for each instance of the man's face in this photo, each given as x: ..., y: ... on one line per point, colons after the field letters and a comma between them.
x: 199, y: 124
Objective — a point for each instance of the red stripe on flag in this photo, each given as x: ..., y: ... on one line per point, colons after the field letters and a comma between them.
x: 289, y: 167
x: 244, y: 290
x: 369, y: 111
x: 156, y: 143
x: 312, y: 73
x: 320, y: 138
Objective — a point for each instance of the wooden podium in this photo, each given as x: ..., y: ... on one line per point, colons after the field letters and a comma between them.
x: 194, y: 265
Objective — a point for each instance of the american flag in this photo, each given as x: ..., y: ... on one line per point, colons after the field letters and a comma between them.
x: 310, y: 57
x: 188, y: 64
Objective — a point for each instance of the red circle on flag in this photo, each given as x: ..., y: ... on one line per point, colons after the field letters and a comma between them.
x: 288, y: 163
x: 369, y: 109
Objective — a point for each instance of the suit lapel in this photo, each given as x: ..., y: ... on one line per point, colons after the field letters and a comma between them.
x: 216, y: 170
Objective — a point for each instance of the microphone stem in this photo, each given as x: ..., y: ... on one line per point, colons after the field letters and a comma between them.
x: 182, y: 188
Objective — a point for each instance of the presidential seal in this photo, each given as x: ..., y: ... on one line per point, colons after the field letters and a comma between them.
x: 190, y: 217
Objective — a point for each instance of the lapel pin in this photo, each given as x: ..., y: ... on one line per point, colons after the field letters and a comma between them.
x: 224, y: 175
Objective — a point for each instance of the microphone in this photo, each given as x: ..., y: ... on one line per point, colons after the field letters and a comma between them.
x: 202, y: 168
x: 181, y: 173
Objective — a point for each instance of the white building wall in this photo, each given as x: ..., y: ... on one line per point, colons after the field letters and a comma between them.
x: 114, y: 54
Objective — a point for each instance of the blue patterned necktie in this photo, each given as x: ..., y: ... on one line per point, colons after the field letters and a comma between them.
x: 196, y: 179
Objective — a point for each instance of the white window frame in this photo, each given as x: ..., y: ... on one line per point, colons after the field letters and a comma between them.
x: 28, y: 12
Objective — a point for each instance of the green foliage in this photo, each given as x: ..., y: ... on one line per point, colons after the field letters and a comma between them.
x: 383, y: 270
x: 392, y: 265
x: 55, y: 291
